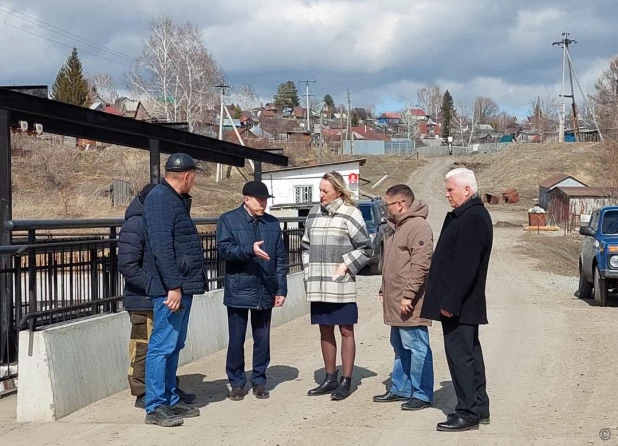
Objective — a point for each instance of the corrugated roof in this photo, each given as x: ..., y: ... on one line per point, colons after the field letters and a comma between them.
x: 600, y: 192
x: 549, y: 182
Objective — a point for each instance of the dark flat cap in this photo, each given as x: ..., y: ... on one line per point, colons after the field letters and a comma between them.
x: 180, y: 162
x: 256, y: 189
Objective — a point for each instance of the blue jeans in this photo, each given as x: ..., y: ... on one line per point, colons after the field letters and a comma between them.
x: 413, y: 366
x: 168, y: 337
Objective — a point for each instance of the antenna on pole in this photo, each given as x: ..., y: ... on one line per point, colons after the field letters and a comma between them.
x: 307, y: 82
x: 219, y: 173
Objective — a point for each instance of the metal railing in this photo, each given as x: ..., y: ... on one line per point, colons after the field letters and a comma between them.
x: 54, y: 276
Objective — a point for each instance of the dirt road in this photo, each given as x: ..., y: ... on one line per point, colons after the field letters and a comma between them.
x: 551, y: 370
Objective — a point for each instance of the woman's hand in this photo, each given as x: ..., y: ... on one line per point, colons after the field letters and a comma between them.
x: 341, y: 270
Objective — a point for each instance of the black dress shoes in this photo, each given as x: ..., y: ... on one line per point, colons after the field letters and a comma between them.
x: 344, y: 389
x: 484, y: 419
x: 415, y: 404
x: 388, y: 397
x: 329, y: 384
x: 456, y: 424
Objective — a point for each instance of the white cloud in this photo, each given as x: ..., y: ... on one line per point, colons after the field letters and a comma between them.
x: 382, y: 50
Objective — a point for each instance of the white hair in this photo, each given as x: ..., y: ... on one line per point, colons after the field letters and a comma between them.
x: 463, y: 177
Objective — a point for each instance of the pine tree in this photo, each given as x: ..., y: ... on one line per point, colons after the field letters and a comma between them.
x: 328, y: 100
x: 287, y: 95
x: 70, y: 85
x: 447, y: 113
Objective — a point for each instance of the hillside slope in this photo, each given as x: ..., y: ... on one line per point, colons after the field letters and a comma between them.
x: 524, y: 166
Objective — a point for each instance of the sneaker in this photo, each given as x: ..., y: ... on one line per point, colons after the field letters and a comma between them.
x: 188, y: 398
x: 163, y: 416
x: 184, y: 411
x: 260, y: 392
x: 140, y: 402
x: 237, y: 394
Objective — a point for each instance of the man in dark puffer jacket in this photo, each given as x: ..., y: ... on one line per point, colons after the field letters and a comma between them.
x: 131, y: 245
x: 251, y: 243
x: 175, y: 262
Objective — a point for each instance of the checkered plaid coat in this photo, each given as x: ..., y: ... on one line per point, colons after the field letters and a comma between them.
x: 334, y: 233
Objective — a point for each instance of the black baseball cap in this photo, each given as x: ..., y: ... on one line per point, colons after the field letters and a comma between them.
x: 180, y: 162
x: 256, y: 189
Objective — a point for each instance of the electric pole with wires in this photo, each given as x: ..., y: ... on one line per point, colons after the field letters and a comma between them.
x: 307, y: 82
x: 567, y: 63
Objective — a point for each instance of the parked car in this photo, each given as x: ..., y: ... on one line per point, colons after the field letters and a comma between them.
x: 374, y: 214
x: 598, y: 261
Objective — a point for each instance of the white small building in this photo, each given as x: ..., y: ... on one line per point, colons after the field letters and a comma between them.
x: 297, y: 189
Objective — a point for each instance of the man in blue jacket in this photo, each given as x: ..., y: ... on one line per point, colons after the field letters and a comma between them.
x: 174, y: 260
x: 131, y: 246
x: 251, y: 243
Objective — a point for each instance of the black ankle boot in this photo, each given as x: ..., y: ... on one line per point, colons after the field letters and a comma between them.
x: 343, y: 391
x: 328, y: 385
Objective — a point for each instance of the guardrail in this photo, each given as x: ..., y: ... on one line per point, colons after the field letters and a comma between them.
x: 58, y: 276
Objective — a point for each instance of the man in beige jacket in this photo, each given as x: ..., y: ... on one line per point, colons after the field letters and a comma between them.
x: 407, y: 257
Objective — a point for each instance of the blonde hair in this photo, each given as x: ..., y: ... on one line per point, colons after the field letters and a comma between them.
x: 336, y: 179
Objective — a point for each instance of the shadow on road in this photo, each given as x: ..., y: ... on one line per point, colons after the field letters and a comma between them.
x: 209, y: 392
x: 445, y: 398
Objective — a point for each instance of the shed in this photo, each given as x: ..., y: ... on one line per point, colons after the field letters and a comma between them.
x: 567, y: 205
x: 559, y: 180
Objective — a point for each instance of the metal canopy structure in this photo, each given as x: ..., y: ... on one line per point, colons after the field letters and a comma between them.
x: 79, y: 122
x: 70, y: 120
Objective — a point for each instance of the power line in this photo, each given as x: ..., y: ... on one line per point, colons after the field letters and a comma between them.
x: 60, y: 31
x: 63, y: 44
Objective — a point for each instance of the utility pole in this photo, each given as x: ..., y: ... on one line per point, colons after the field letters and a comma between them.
x: 349, y: 124
x: 564, y: 44
x: 219, y: 174
x: 567, y: 61
x: 307, y: 82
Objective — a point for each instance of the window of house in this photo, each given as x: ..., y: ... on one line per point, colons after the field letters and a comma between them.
x: 303, y: 194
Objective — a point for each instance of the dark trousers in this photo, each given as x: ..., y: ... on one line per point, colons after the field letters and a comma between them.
x: 465, y: 362
x: 237, y: 319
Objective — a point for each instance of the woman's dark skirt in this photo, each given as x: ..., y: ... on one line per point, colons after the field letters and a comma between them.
x: 326, y: 313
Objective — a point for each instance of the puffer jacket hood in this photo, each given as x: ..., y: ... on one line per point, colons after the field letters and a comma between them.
x: 135, y: 209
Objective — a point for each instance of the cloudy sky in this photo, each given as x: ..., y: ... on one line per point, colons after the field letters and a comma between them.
x: 383, y: 51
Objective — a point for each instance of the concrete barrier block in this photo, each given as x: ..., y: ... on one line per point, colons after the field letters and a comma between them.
x: 66, y: 367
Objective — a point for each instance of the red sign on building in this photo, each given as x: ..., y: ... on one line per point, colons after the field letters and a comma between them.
x: 353, y: 178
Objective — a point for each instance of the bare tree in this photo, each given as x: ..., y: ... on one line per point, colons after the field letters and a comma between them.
x: 371, y: 110
x: 104, y: 85
x: 245, y: 97
x: 544, y: 112
x: 485, y: 109
x: 430, y: 100
x: 605, y: 99
x: 176, y: 73
x: 465, y: 119
x: 409, y: 123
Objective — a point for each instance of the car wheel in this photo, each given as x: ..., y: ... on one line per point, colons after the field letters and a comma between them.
x: 376, y: 267
x: 585, y: 287
x: 600, y: 289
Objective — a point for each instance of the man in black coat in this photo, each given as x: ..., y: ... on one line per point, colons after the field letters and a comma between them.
x: 456, y: 296
x: 251, y: 243
x: 131, y: 245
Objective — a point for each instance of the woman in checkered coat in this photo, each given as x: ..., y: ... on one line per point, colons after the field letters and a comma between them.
x: 336, y: 246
